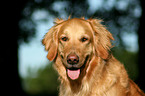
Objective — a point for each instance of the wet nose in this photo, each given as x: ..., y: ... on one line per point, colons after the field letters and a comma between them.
x: 72, y: 59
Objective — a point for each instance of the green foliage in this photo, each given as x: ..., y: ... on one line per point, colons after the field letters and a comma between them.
x: 129, y: 59
x: 44, y: 81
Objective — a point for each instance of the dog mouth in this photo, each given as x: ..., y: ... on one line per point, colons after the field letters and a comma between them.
x: 74, y: 72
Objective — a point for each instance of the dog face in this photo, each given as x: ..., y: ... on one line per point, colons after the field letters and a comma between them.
x: 76, y: 41
x: 75, y: 46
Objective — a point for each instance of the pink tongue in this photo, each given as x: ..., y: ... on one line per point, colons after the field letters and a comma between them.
x: 73, y: 74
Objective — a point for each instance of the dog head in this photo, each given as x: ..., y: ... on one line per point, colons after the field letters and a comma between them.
x: 76, y: 41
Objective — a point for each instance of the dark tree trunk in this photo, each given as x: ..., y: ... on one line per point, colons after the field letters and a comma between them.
x: 141, y: 34
x: 9, y: 47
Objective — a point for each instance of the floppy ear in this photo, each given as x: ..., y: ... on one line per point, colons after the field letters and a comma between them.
x: 50, y: 43
x: 102, y: 37
x: 51, y: 40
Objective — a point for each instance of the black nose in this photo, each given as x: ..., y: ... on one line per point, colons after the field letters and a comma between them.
x: 72, y: 59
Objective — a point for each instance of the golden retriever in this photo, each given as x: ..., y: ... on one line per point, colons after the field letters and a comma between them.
x: 80, y: 51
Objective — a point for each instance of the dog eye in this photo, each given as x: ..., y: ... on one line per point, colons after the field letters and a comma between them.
x: 64, y: 38
x: 84, y: 39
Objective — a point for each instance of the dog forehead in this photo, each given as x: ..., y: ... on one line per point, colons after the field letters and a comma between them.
x: 76, y: 27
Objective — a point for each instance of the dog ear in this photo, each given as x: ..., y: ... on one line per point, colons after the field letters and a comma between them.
x: 50, y: 44
x: 101, y: 38
x: 51, y: 40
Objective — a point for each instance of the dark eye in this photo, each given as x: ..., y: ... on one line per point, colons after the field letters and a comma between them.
x: 64, y: 38
x: 84, y: 39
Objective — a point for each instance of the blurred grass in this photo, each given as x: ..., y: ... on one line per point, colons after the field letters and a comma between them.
x: 45, y: 81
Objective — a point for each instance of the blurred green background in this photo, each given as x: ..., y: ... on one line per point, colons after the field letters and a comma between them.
x: 34, y: 73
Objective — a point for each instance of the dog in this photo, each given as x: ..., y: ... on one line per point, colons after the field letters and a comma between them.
x: 80, y: 50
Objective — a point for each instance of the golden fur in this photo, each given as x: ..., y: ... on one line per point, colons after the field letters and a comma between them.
x: 101, y: 74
